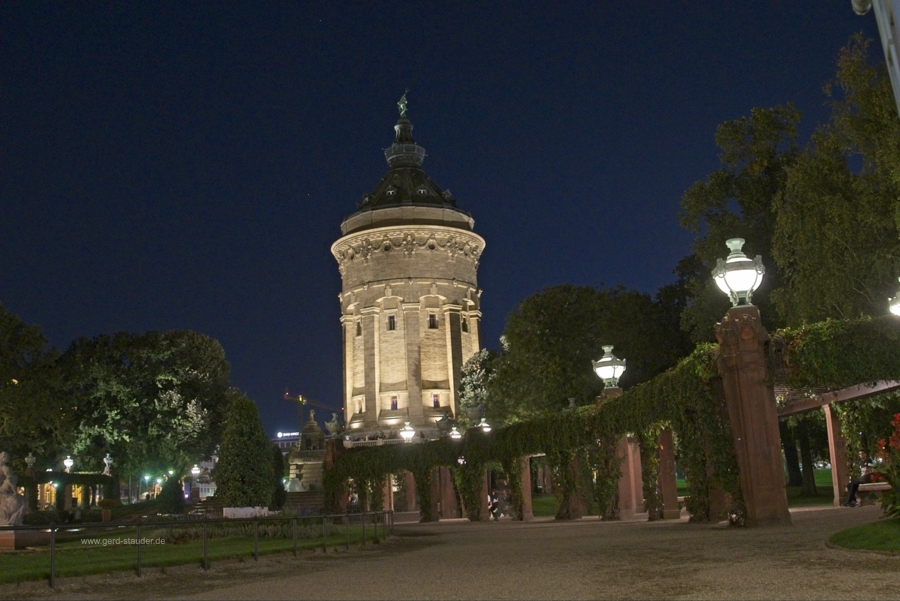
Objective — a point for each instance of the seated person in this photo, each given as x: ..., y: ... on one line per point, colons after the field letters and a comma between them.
x: 865, y: 470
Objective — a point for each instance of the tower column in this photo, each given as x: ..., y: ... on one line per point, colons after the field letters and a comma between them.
x: 413, y: 362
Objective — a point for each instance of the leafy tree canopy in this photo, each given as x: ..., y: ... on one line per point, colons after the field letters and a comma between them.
x: 31, y: 417
x: 735, y: 201
x: 836, y: 236
x: 153, y: 401
x: 551, y: 339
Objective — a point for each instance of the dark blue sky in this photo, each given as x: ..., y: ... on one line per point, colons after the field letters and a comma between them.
x: 188, y: 164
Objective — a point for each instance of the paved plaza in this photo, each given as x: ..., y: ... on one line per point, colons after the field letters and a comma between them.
x: 587, y: 559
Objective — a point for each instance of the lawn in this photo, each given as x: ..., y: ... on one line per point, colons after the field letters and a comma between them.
x: 77, y: 556
x: 545, y: 504
x: 883, y: 535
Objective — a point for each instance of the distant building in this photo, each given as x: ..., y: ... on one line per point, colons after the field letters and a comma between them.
x: 410, y: 302
x: 286, y: 440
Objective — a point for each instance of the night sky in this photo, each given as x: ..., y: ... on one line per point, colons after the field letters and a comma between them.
x: 187, y: 165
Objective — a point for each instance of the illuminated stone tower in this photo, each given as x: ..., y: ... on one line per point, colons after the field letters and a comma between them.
x: 410, y: 300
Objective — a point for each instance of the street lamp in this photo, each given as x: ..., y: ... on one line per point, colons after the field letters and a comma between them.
x: 195, y: 471
x: 454, y: 433
x: 738, y: 276
x: 68, y: 462
x: 895, y: 304
x: 407, y: 432
x: 609, y: 368
x: 485, y: 427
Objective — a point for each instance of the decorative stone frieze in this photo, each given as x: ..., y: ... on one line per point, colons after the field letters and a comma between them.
x: 363, y: 246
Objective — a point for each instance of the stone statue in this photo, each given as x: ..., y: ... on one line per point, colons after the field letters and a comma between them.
x: 334, y: 426
x: 107, y: 461
x: 12, y: 505
x: 403, y: 104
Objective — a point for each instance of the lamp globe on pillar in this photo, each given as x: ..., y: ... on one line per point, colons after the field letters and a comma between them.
x: 738, y: 276
x: 455, y: 434
x: 609, y: 368
x: 68, y: 462
x: 195, y: 471
x: 485, y: 427
x: 895, y: 304
x: 407, y: 432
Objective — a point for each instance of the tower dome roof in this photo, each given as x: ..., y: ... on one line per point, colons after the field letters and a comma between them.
x: 406, y: 195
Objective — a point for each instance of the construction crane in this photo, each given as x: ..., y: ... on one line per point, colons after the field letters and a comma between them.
x: 301, y: 401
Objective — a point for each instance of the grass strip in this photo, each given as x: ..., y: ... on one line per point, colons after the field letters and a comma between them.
x: 883, y: 535
x: 76, y: 559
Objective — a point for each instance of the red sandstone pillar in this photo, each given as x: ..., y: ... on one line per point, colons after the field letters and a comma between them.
x: 754, y: 420
x: 449, y: 505
x: 627, y: 501
x: 637, y: 476
x: 436, y: 505
x: 837, y: 451
x: 525, y: 479
x: 388, y: 494
x: 667, y: 481
x: 410, y: 492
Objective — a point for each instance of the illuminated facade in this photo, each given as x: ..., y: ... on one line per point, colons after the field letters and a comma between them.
x: 410, y: 306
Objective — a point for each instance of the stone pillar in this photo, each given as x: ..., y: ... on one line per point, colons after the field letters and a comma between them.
x: 667, y: 481
x: 410, y: 492
x: 436, y: 505
x: 449, y: 504
x: 67, y: 497
x: 388, y: 494
x: 754, y: 420
x: 837, y: 451
x: 525, y: 479
x: 485, y: 513
x: 629, y: 462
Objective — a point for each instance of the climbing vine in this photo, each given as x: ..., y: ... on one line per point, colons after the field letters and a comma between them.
x: 687, y: 398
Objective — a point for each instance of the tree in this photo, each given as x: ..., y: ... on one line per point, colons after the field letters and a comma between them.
x: 279, y: 495
x: 243, y: 473
x: 32, y: 417
x: 152, y: 401
x: 474, y: 377
x: 552, y: 337
x: 735, y: 201
x: 836, y: 237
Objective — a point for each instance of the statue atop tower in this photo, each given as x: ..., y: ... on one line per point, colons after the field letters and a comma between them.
x: 410, y: 302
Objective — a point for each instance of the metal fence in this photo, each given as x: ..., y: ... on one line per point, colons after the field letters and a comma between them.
x: 372, y: 518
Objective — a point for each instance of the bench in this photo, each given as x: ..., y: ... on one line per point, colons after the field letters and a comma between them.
x: 868, y: 492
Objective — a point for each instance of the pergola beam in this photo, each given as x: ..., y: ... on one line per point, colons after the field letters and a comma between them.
x: 837, y: 396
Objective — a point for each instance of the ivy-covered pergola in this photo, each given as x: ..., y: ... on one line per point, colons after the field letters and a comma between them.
x: 688, y: 401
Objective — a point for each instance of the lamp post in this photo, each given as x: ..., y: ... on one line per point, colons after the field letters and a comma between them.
x: 195, y: 484
x: 146, y: 486
x: 485, y: 427
x: 738, y: 276
x: 895, y: 304
x: 68, y: 462
x: 609, y: 368
x: 750, y: 400
x: 407, y: 432
x: 455, y: 434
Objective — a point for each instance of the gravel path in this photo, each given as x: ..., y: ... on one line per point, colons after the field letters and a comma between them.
x: 587, y: 559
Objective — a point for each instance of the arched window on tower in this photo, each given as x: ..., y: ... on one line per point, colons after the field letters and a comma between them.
x: 432, y: 321
x: 358, y: 328
x: 391, y: 322
x: 465, y: 324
